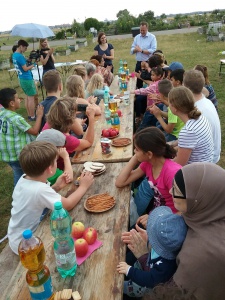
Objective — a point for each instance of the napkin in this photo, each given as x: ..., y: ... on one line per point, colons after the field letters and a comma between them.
x: 91, y: 248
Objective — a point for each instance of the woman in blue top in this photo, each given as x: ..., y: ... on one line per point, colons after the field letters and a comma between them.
x: 105, y: 49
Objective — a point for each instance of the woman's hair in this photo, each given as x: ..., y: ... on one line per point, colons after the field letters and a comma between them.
x: 155, y: 60
x: 80, y: 71
x: 97, y: 57
x: 152, y: 139
x: 183, y: 100
x: 40, y: 43
x: 158, y: 71
x: 204, y: 71
x: 96, y: 82
x: 160, y: 53
x: 62, y: 114
x: 94, y: 62
x: 99, y: 37
x: 75, y: 86
x: 37, y: 156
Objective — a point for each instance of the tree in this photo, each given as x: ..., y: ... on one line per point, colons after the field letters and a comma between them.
x: 92, y: 22
x: 163, y: 16
x: 122, y: 13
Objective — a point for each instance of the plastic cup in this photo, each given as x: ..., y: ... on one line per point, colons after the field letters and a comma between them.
x: 126, y: 98
x: 105, y: 144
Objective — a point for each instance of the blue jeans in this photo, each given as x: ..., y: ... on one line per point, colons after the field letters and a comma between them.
x: 17, y: 170
x: 140, y: 105
x: 170, y: 137
x: 143, y: 196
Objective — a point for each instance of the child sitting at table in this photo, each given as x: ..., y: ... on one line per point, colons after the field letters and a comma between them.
x: 145, y: 72
x: 96, y: 87
x: 165, y: 235
x: 58, y: 139
x: 155, y: 158
x: 61, y: 117
x: 32, y: 195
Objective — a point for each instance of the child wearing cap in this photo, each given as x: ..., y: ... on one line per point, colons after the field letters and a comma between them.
x: 58, y: 139
x: 166, y: 233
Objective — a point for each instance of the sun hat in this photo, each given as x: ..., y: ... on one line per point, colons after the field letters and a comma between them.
x: 166, y: 232
x: 53, y: 136
x: 174, y: 66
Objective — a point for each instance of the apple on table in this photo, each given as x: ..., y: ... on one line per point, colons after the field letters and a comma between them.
x: 90, y: 235
x: 77, y: 230
x: 81, y: 247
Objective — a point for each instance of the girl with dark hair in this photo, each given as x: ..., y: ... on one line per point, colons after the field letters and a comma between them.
x: 195, y: 140
x: 154, y: 156
x: 105, y: 49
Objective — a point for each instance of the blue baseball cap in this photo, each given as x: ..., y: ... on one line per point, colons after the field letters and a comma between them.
x: 174, y: 66
x: 166, y: 232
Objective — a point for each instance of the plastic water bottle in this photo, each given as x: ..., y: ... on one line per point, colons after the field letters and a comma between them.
x: 106, y: 98
x: 32, y: 255
x: 107, y: 115
x: 121, y: 63
x: 64, y: 250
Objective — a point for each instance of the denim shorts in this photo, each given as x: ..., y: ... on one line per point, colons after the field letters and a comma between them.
x: 28, y: 86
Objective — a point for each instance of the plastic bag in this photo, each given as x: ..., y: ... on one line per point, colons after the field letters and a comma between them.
x: 133, y: 212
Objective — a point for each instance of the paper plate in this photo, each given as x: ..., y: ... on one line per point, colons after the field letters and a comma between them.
x: 121, y: 142
x: 99, y: 203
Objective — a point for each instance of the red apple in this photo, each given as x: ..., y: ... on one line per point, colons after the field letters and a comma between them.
x: 112, y: 132
x: 77, y: 230
x: 105, y: 133
x: 117, y: 131
x: 90, y: 235
x: 81, y: 247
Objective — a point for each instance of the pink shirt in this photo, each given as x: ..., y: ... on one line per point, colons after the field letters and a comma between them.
x: 151, y: 89
x: 71, y: 144
x: 163, y: 183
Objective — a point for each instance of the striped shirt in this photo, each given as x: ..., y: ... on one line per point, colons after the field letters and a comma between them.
x: 13, y: 136
x: 197, y: 135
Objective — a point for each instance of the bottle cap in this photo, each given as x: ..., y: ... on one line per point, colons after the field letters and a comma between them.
x: 58, y: 205
x: 27, y: 234
x: 106, y: 92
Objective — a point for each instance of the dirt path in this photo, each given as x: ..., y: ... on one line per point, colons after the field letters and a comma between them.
x: 112, y: 37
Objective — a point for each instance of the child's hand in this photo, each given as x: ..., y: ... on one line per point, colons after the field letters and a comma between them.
x: 86, y: 179
x: 90, y: 111
x: 126, y: 237
x: 40, y: 111
x: 63, y: 153
x: 155, y: 111
x: 62, y: 181
x: 122, y: 267
x: 143, y: 220
x: 137, y: 245
x: 91, y: 99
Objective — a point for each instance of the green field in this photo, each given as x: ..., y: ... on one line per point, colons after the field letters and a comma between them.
x: 190, y: 49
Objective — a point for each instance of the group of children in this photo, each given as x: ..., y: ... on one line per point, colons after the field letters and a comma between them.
x: 172, y: 115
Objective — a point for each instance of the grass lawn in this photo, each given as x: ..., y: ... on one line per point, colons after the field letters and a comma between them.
x: 190, y: 49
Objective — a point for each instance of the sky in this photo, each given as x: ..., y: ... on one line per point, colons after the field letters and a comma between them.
x: 65, y: 11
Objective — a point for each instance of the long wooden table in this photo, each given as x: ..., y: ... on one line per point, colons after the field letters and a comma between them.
x: 117, y: 154
x: 97, y: 277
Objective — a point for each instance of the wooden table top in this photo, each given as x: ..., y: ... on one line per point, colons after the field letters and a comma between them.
x: 117, y: 154
x: 97, y: 277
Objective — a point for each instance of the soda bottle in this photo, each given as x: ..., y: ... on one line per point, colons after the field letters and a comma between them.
x: 115, y: 121
x: 106, y: 98
x: 121, y: 64
x: 32, y: 255
x: 61, y: 226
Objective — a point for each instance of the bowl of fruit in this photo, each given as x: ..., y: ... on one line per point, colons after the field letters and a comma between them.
x: 110, y: 133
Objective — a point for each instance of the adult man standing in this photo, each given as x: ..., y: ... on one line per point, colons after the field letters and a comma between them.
x: 25, y: 77
x: 143, y: 46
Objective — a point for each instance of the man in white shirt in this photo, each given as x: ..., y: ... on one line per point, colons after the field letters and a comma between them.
x: 195, y: 81
x: 143, y: 46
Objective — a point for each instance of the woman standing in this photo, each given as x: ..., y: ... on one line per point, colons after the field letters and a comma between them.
x: 105, y: 49
x: 47, y: 59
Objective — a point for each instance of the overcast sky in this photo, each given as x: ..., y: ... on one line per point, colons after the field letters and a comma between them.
x: 65, y: 11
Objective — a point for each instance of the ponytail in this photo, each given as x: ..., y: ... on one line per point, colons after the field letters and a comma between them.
x: 170, y: 152
x: 194, y: 114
